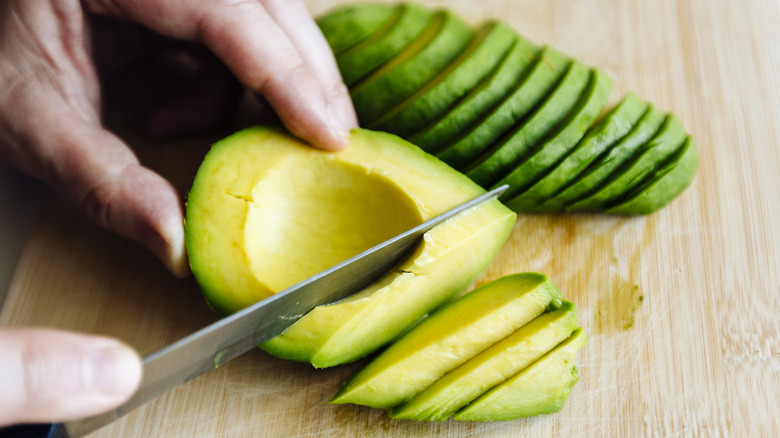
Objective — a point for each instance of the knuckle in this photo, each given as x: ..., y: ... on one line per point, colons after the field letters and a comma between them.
x: 97, y: 202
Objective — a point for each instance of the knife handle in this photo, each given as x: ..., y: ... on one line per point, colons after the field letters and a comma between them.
x: 51, y: 430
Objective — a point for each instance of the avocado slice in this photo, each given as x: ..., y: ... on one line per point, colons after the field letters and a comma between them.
x: 547, y: 71
x: 606, y: 164
x: 366, y: 56
x: 448, y: 338
x: 347, y: 26
x: 511, y: 70
x: 503, y: 157
x: 651, y: 156
x: 552, y: 150
x: 542, y: 388
x: 388, y: 86
x: 267, y: 211
x: 501, y: 361
x: 492, y: 42
x: 667, y: 182
x: 602, y: 136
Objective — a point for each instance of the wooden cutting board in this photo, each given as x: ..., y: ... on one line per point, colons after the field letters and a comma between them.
x: 681, y: 307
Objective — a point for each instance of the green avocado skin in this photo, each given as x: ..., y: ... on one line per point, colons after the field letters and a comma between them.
x: 359, y: 60
x: 497, y: 107
x: 600, y: 170
x: 346, y: 27
x: 554, y: 148
x: 501, y: 159
x: 663, y: 186
x: 493, y: 41
x: 547, y: 71
x: 652, y: 155
x: 602, y: 136
x: 478, y: 102
x: 375, y: 96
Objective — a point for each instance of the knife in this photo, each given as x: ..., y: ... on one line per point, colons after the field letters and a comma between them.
x: 242, y: 331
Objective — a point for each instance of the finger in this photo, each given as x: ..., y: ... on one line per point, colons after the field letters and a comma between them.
x: 98, y: 172
x: 294, y: 19
x: 258, y: 51
x: 48, y: 375
x: 248, y: 40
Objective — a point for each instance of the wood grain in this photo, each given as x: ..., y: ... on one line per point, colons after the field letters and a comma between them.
x: 680, y: 307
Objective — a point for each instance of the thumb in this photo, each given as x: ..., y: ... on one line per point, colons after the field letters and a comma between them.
x: 49, y: 375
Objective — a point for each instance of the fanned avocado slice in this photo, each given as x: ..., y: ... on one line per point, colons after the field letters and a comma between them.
x: 606, y: 133
x: 493, y: 40
x: 448, y: 338
x: 468, y: 111
x: 651, y: 156
x: 558, y: 144
x: 493, y: 366
x: 606, y: 164
x: 436, y: 47
x: 363, y: 58
x: 542, y: 388
x: 547, y: 71
x: 347, y: 26
x: 663, y: 186
x: 508, y: 153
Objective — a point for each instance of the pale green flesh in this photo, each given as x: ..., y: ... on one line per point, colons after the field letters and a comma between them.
x: 397, y: 80
x: 606, y: 164
x: 491, y: 367
x: 491, y: 44
x: 361, y: 59
x: 502, y: 158
x: 448, y: 338
x: 613, y: 127
x: 667, y: 182
x: 481, y: 99
x: 547, y: 71
x: 348, y: 26
x: 541, y: 388
x: 554, y: 148
x: 668, y: 139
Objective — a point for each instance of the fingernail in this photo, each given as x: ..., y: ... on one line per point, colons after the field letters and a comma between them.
x: 113, y: 370
x: 341, y: 132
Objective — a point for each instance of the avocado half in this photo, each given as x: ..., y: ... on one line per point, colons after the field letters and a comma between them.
x: 267, y: 211
x: 503, y: 111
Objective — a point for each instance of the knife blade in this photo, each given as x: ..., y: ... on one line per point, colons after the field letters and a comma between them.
x: 242, y: 331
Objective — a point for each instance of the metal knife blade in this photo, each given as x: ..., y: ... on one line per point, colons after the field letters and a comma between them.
x: 236, y: 334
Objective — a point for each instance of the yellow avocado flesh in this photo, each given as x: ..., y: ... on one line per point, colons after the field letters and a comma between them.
x: 451, y: 256
x: 542, y: 388
x: 491, y: 367
x: 266, y: 211
x: 448, y: 338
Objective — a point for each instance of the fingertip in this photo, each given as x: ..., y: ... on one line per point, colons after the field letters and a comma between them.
x: 112, y: 371
x: 169, y: 246
x: 50, y: 375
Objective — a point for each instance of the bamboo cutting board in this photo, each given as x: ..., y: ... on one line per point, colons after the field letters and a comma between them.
x: 680, y: 306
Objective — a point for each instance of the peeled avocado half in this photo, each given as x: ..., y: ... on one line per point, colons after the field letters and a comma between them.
x: 266, y: 211
x: 502, y: 110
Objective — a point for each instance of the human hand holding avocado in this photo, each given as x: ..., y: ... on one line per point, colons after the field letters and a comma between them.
x: 50, y: 128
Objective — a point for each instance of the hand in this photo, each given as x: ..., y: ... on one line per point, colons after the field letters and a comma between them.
x: 48, y: 375
x: 50, y: 128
